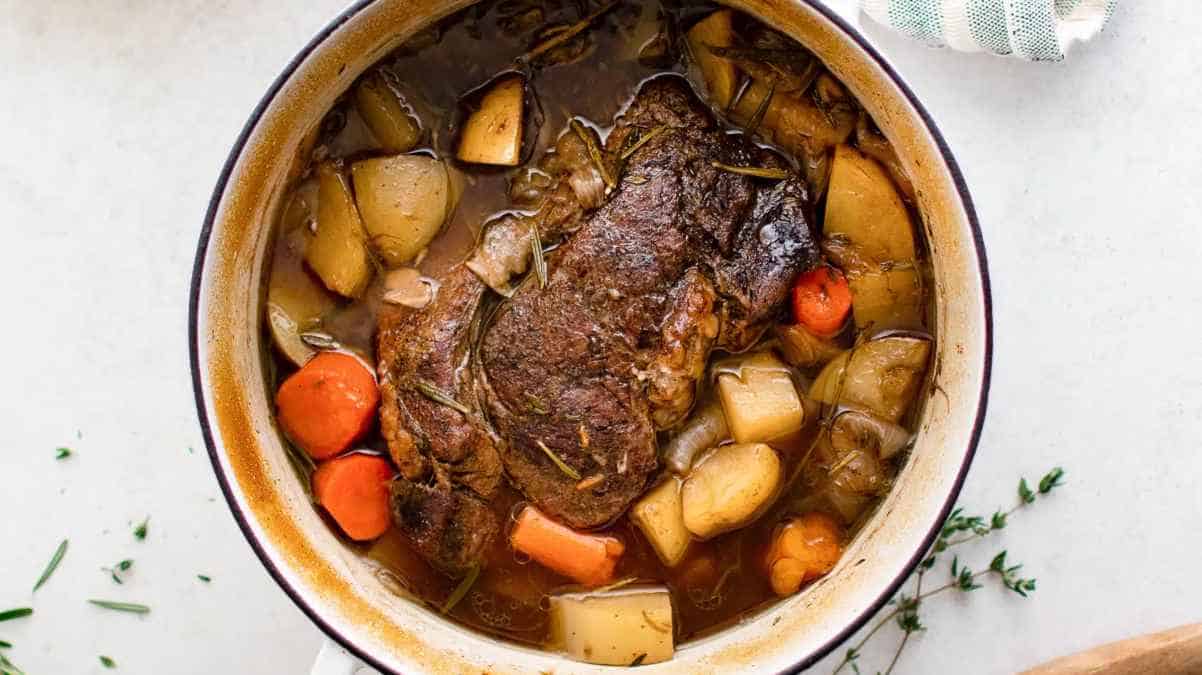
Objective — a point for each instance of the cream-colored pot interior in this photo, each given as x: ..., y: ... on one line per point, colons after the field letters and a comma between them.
x: 343, y: 593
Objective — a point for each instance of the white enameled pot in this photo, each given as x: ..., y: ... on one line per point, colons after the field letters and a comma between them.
x: 343, y: 593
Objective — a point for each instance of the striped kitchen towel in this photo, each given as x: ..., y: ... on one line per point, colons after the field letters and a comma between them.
x: 1037, y: 30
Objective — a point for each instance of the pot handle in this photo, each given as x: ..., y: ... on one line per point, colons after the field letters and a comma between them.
x: 334, y: 660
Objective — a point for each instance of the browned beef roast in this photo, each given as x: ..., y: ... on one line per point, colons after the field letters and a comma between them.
x: 683, y: 253
x: 452, y: 529
x: 682, y: 257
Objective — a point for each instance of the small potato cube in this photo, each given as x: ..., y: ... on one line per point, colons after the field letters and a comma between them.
x: 730, y: 487
x: 659, y: 515
x: 614, y: 628
x: 337, y: 251
x: 493, y: 132
x: 761, y: 403
x: 404, y: 202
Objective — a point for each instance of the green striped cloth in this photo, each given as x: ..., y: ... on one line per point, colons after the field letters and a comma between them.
x: 1036, y: 30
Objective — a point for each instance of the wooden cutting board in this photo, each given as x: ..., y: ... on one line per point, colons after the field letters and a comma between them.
x: 1177, y: 651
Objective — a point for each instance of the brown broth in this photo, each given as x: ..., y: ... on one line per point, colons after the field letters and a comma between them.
x: 720, y: 580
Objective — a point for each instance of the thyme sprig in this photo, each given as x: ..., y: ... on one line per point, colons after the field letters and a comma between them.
x: 959, y: 528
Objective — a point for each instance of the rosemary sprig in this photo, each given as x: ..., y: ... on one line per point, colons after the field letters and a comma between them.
x: 18, y: 613
x: 643, y: 140
x: 756, y: 171
x: 122, y: 566
x: 132, y: 607
x: 536, y: 252
x: 594, y: 153
x: 461, y: 590
x: 52, y: 565
x: 439, y: 396
x: 905, y: 607
x: 563, y: 466
x: 567, y: 34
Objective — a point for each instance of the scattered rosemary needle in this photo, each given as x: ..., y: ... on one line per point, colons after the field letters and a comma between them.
x: 15, y: 613
x: 594, y: 152
x: 141, y: 530
x: 122, y: 566
x: 540, y: 262
x: 107, y: 662
x: 52, y: 565
x: 566, y: 34
x: 205, y: 578
x: 568, y: 471
x: 5, y: 645
x: 439, y: 396
x: 643, y: 141
x: 461, y: 590
x: 62, y: 453
x: 131, y: 607
x: 624, y: 581
x: 756, y: 171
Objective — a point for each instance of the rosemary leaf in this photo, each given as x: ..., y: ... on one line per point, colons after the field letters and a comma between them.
x: 461, y: 590
x: 643, y: 139
x: 5, y: 645
x: 594, y: 152
x: 566, y: 34
x: 536, y: 252
x: 439, y: 396
x: 107, y: 662
x: 756, y: 171
x: 15, y: 613
x: 131, y: 607
x: 52, y: 565
x: 205, y: 578
x: 62, y: 453
x: 141, y: 529
x: 568, y: 471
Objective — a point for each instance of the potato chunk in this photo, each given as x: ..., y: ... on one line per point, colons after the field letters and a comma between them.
x: 614, y: 628
x: 886, y: 298
x: 385, y: 115
x: 403, y: 200
x: 760, y: 401
x: 863, y: 205
x: 337, y: 251
x: 492, y: 134
x: 881, y: 376
x: 718, y: 72
x: 659, y: 515
x: 730, y: 487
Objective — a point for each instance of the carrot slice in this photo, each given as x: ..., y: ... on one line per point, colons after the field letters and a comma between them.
x: 588, y: 558
x: 822, y: 300
x: 328, y: 404
x: 354, y: 490
x: 803, y: 549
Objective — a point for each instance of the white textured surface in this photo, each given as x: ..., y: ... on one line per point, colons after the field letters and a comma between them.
x: 117, y: 116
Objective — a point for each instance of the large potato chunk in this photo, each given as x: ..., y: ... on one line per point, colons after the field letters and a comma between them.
x: 337, y: 251
x: 863, y: 205
x: 660, y: 516
x: 718, y: 72
x: 730, y: 487
x: 886, y: 298
x: 614, y: 628
x: 492, y: 134
x: 881, y: 376
x: 759, y: 400
x: 403, y: 200
x: 385, y: 115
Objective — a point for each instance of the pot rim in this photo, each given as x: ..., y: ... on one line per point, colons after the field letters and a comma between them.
x: 364, y: 655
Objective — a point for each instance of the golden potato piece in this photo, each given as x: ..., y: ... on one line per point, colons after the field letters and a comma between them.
x: 886, y: 298
x: 492, y: 134
x: 719, y: 73
x: 863, y: 205
x: 760, y: 401
x: 383, y: 112
x: 403, y: 200
x: 296, y: 300
x: 337, y: 250
x: 614, y: 628
x: 659, y: 515
x: 729, y: 487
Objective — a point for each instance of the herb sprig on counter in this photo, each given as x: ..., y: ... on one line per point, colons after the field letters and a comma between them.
x: 958, y: 529
x: 52, y: 565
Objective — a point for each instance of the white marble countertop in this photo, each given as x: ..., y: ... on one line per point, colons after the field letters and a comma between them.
x: 116, y: 117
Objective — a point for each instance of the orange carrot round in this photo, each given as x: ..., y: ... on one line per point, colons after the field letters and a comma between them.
x: 354, y: 490
x: 328, y: 404
x: 588, y: 558
x: 803, y: 549
x: 822, y: 300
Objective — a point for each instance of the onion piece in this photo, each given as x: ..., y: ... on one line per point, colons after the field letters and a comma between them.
x: 704, y: 430
x: 853, y: 429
